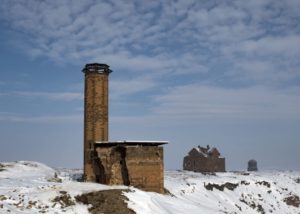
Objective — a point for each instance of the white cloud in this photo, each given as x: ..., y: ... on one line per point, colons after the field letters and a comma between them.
x: 12, y: 117
x: 169, y: 36
x: 195, y: 102
x: 284, y: 46
x: 66, y: 96
x: 119, y: 88
x: 267, y: 60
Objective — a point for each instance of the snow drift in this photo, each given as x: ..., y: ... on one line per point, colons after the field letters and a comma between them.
x: 31, y: 187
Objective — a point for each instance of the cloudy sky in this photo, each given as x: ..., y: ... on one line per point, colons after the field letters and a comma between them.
x: 194, y: 72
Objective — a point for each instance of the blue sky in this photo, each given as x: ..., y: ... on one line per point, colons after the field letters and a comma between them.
x: 224, y: 73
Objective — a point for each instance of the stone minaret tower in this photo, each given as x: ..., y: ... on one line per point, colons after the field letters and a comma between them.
x: 95, y: 113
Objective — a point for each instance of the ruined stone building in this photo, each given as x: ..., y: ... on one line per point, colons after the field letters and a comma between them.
x: 252, y: 165
x: 204, y: 159
x: 134, y: 163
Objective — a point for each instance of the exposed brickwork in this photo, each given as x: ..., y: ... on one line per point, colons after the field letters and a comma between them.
x: 95, y: 113
x: 202, y: 159
x: 138, y: 166
x: 145, y: 168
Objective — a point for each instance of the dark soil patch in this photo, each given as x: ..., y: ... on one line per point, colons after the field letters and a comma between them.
x: 265, y: 183
x: 3, y: 198
x: 241, y: 172
x: 106, y: 201
x: 260, y: 209
x: 64, y: 199
x: 227, y: 185
x: 254, y: 206
x: 245, y: 183
x: 29, y: 164
x: 292, y: 200
x: 238, y: 207
x: 167, y: 192
x: 2, y: 167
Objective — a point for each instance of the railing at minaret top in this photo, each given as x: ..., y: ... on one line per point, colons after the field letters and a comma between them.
x: 96, y: 68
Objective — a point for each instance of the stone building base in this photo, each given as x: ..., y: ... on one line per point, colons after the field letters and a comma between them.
x: 138, y: 164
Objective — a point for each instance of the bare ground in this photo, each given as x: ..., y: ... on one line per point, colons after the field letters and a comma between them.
x: 106, y: 201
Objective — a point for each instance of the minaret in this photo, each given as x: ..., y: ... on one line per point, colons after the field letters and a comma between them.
x: 95, y: 113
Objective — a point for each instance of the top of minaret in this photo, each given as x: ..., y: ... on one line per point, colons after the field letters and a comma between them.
x: 96, y: 68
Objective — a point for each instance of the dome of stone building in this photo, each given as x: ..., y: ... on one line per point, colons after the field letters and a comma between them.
x: 252, y: 165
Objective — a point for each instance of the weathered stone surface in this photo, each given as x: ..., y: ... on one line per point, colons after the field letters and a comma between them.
x: 138, y: 166
x: 95, y: 113
x: 202, y: 159
x: 252, y: 165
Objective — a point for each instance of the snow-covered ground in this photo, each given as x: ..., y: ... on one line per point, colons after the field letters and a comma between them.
x: 31, y: 187
x: 260, y: 192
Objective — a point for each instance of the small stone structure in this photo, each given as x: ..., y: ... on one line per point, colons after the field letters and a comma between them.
x: 134, y: 163
x: 204, y: 159
x: 252, y: 165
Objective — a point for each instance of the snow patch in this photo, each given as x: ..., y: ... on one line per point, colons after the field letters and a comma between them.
x: 29, y: 187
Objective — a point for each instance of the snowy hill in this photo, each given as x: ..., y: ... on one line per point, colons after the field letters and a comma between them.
x: 31, y: 187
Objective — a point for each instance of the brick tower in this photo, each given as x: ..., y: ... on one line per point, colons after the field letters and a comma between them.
x: 95, y: 114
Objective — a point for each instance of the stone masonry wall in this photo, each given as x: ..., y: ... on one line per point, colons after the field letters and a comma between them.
x: 95, y: 118
x: 145, y: 168
x: 203, y: 164
x: 138, y: 166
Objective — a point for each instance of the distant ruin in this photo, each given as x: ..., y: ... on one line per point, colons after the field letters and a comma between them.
x: 204, y: 159
x: 131, y: 163
x: 252, y: 165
